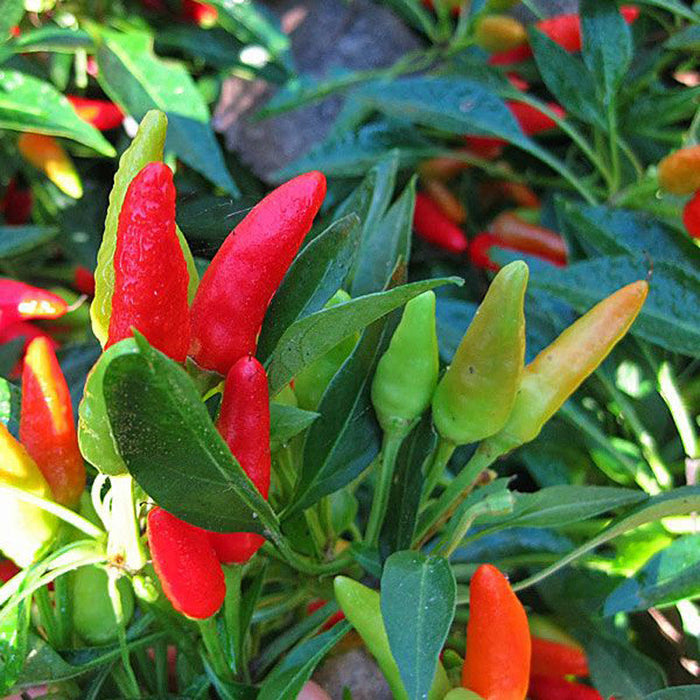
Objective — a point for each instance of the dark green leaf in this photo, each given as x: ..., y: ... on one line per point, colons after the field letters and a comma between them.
x: 679, y: 692
x: 427, y: 585
x: 52, y: 38
x: 17, y: 240
x: 11, y: 12
x: 10, y: 404
x: 286, y: 422
x: 688, y: 39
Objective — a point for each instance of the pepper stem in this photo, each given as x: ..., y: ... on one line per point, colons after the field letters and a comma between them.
x: 212, y: 643
x: 390, y: 451
x: 443, y: 454
x: 124, y: 533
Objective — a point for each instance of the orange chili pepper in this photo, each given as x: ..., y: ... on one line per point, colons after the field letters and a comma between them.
x: 550, y: 658
x: 46, y: 154
x: 529, y: 238
x: 679, y: 172
x: 442, y: 196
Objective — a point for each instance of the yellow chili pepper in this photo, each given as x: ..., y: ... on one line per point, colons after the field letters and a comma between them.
x: 46, y: 154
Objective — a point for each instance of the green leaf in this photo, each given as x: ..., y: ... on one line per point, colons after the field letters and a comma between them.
x: 10, y: 405
x: 679, y: 692
x: 688, y: 39
x: 341, y: 444
x: 14, y: 641
x: 286, y: 422
x: 669, y: 316
x: 135, y: 78
x: 11, y: 13
x: 52, y: 38
x: 30, y: 104
x: 310, y: 337
x: 314, y: 277
x: 288, y: 677
x: 671, y: 575
x: 673, y: 6
x: 17, y: 240
x: 170, y: 445
x: 427, y: 585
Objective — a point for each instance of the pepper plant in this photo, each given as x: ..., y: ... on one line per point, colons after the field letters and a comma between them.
x: 248, y: 426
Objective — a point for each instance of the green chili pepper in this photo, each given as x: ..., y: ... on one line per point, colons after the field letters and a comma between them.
x: 313, y: 380
x: 476, y: 394
x: 407, y: 372
x: 362, y: 609
x: 146, y: 147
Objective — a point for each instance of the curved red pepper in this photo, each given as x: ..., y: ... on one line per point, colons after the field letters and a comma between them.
x: 691, y: 215
x: 529, y: 238
x: 47, y: 426
x: 16, y: 205
x: 186, y: 565
x: 199, y: 13
x: 550, y: 658
x: 552, y: 688
x: 150, y: 272
x: 20, y: 302
x: 237, y: 287
x: 431, y: 224
x: 102, y: 114
x: 244, y: 423
x: 480, y: 245
x: 84, y: 281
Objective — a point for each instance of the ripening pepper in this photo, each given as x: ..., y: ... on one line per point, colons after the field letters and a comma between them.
x: 8, y: 569
x: 553, y: 658
x: 93, y: 615
x: 442, y: 168
x: 16, y: 204
x: 441, y: 195
x: 499, y: 33
x: 186, y: 565
x: 480, y: 252
x: 102, y: 114
x: 311, y: 383
x: 431, y: 224
x: 497, y: 662
x: 236, y: 289
x: 244, y: 424
x: 476, y: 394
x: 46, y: 154
x: 200, y: 13
x: 529, y: 238
x: 84, y: 281
x: 150, y: 272
x: 691, y: 215
x: 47, y: 427
x: 407, y: 373
x: 561, y: 368
x: 26, y: 529
x: 551, y: 688
x: 22, y: 302
x: 679, y: 172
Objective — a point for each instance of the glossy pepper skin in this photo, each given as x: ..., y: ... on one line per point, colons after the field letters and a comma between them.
x: 244, y: 424
x: 407, y: 373
x: 186, y: 565
x: 237, y: 287
x: 47, y: 427
x: 16, y: 204
x: 46, y: 154
x: 102, y: 114
x: 550, y: 688
x: 499, y: 33
x: 22, y: 302
x: 150, y: 272
x: 552, y: 658
x: 431, y: 224
x: 691, y: 215
x: 26, y: 529
x: 529, y: 238
x: 561, y: 368
x: 497, y: 662
x: 478, y: 390
x: 679, y: 172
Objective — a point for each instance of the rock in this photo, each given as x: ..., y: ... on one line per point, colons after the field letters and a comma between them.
x: 356, y: 670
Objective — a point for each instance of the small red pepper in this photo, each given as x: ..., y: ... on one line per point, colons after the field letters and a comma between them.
x: 8, y: 569
x: 237, y: 287
x: 529, y: 238
x: 333, y: 620
x: 150, y: 272
x: 552, y: 688
x: 446, y: 201
x: 47, y: 426
x: 200, y: 13
x: 550, y: 658
x: 691, y: 215
x: 84, y: 280
x: 186, y: 564
x: 480, y: 245
x: 16, y: 205
x: 102, y: 114
x: 431, y: 224
x: 244, y: 423
x: 21, y: 302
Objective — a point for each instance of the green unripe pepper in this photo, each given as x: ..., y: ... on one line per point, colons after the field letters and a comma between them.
x: 462, y: 694
x: 362, y: 608
x: 476, y: 394
x: 407, y: 372
x: 313, y: 380
x: 93, y: 615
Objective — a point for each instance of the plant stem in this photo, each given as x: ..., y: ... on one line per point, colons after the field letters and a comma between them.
x: 63, y: 602
x: 443, y: 454
x: 668, y: 388
x: 232, y: 620
x: 614, y: 149
x: 124, y: 535
x: 46, y: 615
x: 116, y: 600
x: 212, y: 643
x: 380, y: 500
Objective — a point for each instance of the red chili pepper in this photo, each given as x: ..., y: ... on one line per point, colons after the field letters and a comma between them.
x: 480, y: 245
x: 486, y: 147
x: 552, y: 688
x: 244, y: 423
x: 20, y: 302
x: 17, y: 204
x: 529, y: 238
x: 550, y: 658
x: 431, y: 224
x: 563, y: 29
x: 47, y: 427
x: 333, y: 620
x: 237, y: 287
x: 691, y: 215
x: 8, y: 569
x: 186, y: 564
x: 84, y: 281
x: 150, y: 272
x: 199, y: 13
x: 531, y: 120
x: 446, y: 201
x: 102, y: 114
